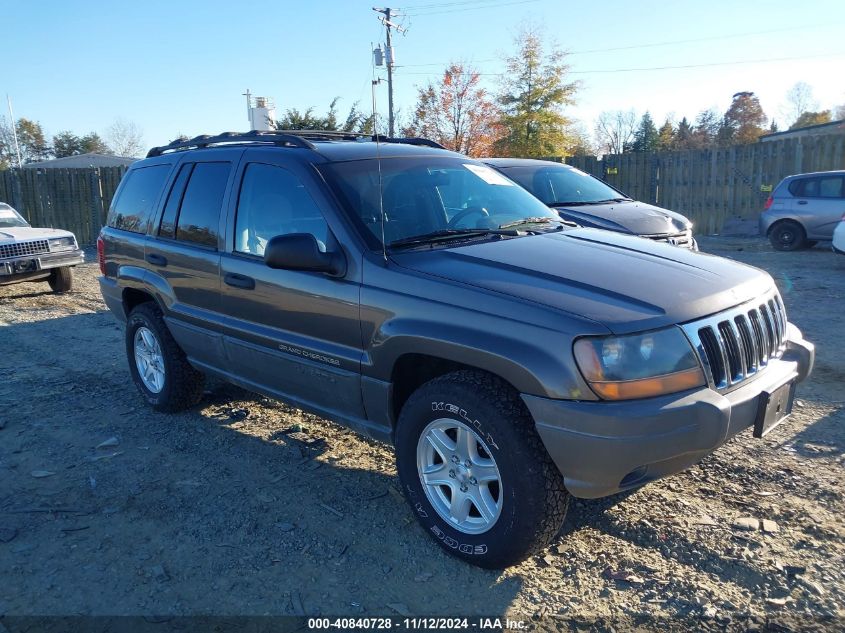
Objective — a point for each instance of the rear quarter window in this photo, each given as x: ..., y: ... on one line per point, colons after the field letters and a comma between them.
x: 132, y: 208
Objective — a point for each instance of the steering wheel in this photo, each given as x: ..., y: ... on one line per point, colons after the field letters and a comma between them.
x: 460, y: 215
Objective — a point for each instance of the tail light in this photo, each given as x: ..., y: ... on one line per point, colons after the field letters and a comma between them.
x: 101, y: 254
x: 769, y: 201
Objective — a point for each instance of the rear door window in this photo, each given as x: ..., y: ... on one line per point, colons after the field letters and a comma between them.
x: 132, y: 209
x: 819, y: 187
x: 199, y: 213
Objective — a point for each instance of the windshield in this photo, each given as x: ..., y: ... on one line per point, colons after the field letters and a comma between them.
x: 428, y: 195
x: 559, y: 184
x: 9, y: 218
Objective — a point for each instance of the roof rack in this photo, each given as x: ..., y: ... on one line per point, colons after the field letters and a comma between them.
x: 256, y: 136
x: 284, y: 138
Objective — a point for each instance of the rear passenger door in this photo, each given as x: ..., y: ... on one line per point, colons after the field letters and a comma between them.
x: 291, y: 333
x: 819, y: 203
x: 183, y: 254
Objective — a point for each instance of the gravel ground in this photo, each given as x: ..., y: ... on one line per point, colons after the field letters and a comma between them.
x: 245, y: 506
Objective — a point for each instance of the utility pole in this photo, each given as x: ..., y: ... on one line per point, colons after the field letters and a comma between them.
x: 388, y: 25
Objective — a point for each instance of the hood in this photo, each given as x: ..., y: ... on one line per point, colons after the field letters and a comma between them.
x: 24, y: 233
x: 627, y: 283
x: 636, y: 218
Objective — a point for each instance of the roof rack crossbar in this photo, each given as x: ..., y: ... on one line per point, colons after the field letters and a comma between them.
x: 255, y: 136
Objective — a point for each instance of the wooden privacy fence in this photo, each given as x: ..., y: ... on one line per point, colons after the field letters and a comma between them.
x: 712, y: 185
x: 73, y: 199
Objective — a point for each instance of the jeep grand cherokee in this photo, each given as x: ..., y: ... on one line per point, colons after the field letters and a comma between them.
x: 425, y: 300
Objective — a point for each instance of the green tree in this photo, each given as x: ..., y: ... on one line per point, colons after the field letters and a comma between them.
x: 33, y: 145
x: 666, y: 137
x: 685, y: 135
x: 811, y: 118
x: 533, y: 93
x: 355, y: 121
x: 93, y: 144
x: 645, y: 138
x: 746, y: 118
x: 706, y: 128
x: 66, y: 144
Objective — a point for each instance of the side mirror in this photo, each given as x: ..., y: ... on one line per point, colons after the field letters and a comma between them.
x: 299, y: 251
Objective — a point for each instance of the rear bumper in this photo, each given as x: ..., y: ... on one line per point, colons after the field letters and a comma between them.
x: 602, y: 448
x: 113, y: 297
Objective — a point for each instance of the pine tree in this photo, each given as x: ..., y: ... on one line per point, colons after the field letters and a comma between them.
x: 645, y: 138
x: 684, y: 136
x: 533, y: 93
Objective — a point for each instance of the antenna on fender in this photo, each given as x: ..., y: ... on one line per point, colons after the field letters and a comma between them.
x: 377, y: 139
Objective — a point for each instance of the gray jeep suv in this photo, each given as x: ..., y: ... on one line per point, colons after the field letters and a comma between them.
x: 425, y: 300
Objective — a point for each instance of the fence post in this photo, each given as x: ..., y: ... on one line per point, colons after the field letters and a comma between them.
x: 96, y: 205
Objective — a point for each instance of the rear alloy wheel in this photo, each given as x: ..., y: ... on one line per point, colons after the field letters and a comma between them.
x: 159, y: 367
x: 475, y: 472
x: 787, y: 236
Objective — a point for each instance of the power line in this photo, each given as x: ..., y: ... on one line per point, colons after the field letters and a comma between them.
x: 626, y: 70
x: 651, y: 44
x: 474, y: 8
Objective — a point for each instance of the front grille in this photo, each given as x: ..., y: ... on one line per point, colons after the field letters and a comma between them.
x: 23, y: 249
x: 683, y: 239
x: 736, y: 344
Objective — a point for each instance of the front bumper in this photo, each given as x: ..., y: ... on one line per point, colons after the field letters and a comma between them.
x: 27, y: 267
x: 602, y: 448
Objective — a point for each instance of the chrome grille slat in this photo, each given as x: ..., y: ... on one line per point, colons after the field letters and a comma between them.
x: 736, y: 344
x: 760, y: 332
x: 24, y: 249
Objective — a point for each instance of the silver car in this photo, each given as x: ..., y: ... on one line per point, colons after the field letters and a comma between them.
x: 803, y: 209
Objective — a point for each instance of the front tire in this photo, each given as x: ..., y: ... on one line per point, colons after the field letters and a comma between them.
x: 475, y: 472
x: 787, y: 236
x: 159, y: 367
x: 61, y: 279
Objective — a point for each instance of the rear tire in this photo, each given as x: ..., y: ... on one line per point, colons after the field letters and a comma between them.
x: 510, y: 473
x: 61, y: 279
x: 170, y: 383
x: 787, y: 236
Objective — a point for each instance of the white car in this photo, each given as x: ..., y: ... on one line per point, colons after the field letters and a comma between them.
x: 839, y: 237
x: 32, y: 254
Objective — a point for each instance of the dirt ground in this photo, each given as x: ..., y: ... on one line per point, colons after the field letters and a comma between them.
x: 245, y: 506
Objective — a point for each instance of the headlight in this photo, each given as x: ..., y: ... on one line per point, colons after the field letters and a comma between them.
x: 62, y: 244
x: 639, y: 366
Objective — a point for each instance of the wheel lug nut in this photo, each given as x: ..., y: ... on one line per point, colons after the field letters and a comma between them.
x: 455, y: 459
x: 467, y: 463
x: 463, y: 488
x: 473, y: 481
x: 452, y: 474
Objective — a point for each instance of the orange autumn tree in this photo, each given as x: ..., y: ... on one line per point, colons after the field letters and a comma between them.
x: 456, y: 113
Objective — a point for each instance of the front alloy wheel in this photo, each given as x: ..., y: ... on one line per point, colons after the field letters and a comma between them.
x: 459, y: 476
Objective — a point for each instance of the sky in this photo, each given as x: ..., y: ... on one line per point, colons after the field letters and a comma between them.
x: 180, y: 67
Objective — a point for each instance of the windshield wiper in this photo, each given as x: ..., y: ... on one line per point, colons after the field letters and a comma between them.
x: 529, y: 221
x: 442, y: 234
x: 579, y: 203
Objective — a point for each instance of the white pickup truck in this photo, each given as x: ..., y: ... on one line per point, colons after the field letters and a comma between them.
x: 32, y: 254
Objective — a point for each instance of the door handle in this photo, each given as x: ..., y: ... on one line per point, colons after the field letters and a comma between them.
x: 802, y: 202
x: 239, y: 281
x: 155, y: 259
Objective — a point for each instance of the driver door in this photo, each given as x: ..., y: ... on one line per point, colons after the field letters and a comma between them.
x: 294, y: 334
